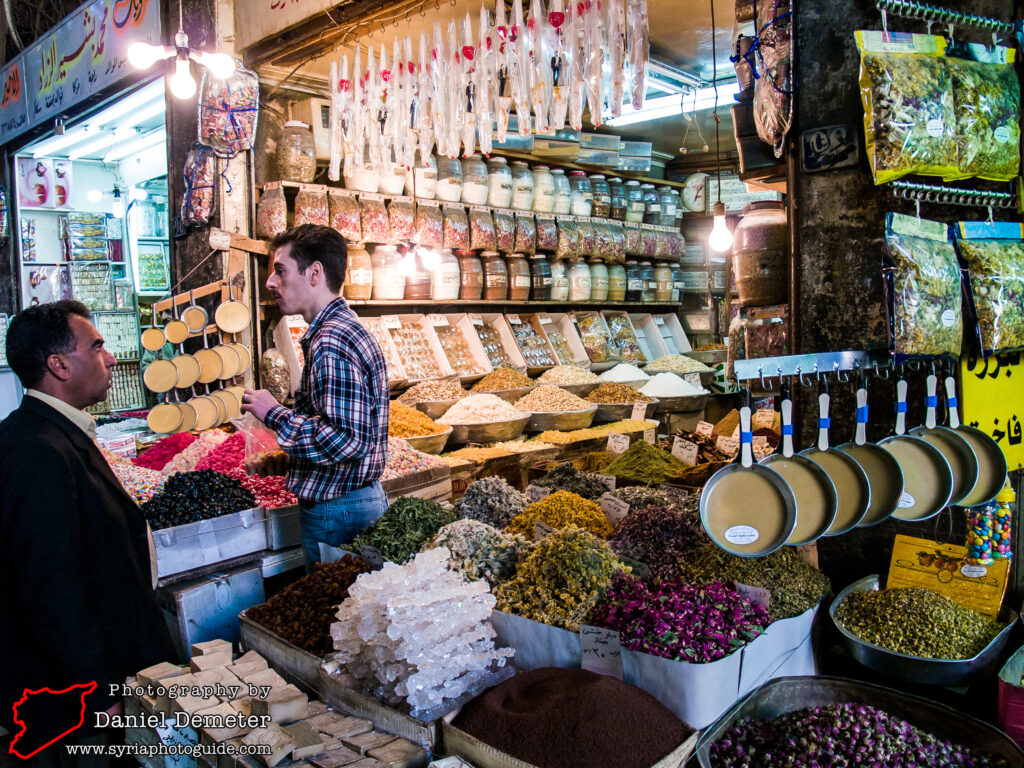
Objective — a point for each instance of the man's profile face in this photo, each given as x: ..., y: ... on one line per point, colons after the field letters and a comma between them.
x: 290, y: 288
x: 89, y: 363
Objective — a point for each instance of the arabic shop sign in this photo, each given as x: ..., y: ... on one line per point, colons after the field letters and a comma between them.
x: 81, y: 56
x: 993, y: 400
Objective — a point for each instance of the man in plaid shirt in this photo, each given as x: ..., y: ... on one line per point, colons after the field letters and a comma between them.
x: 336, y: 436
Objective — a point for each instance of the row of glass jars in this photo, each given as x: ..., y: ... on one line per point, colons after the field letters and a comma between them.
x: 464, y: 275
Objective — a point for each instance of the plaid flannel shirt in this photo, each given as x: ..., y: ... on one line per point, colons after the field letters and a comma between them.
x: 336, y: 437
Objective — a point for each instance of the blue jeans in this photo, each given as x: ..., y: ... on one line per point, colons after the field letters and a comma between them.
x: 337, y: 521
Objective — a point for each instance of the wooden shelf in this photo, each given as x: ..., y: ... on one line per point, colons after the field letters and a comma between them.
x: 555, y: 162
x: 428, y: 303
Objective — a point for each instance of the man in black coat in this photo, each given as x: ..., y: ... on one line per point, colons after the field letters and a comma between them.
x: 76, y: 582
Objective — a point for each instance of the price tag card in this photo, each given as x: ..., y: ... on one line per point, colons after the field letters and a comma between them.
x: 756, y: 595
x: 608, y: 480
x: 761, y: 443
x: 476, y: 320
x: 535, y: 493
x: 730, y: 446
x: 614, y: 509
x: 514, y: 320
x: 540, y: 530
x: 602, y: 652
x: 705, y: 428
x: 390, y: 321
x: 659, y: 320
x: 639, y: 412
x: 685, y: 451
x: 809, y: 552
x: 692, y: 378
x: 372, y: 555
x: 438, y: 321
x: 736, y: 432
x: 763, y: 419
x: 617, y: 443
x: 545, y: 320
x: 650, y: 436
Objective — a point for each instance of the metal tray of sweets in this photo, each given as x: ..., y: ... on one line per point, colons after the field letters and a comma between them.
x: 788, y: 694
x: 916, y: 669
x: 564, y: 421
x: 293, y: 662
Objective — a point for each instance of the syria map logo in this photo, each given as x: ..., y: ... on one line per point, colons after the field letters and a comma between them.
x: 36, y: 730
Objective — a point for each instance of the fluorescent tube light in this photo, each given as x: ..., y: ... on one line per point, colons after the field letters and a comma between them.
x: 131, y: 147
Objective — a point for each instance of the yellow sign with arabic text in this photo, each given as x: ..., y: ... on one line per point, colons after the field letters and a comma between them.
x: 992, y: 392
x: 940, y: 567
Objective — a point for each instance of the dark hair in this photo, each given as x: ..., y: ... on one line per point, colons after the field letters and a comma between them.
x: 38, y: 332
x: 315, y: 242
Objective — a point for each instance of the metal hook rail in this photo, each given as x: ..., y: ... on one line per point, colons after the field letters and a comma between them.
x: 945, y: 195
x: 910, y: 9
x: 816, y: 365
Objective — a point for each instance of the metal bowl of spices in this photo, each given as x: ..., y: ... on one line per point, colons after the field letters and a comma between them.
x: 686, y: 404
x: 607, y: 412
x: 564, y: 421
x: 918, y: 669
x: 430, y: 443
x: 435, y: 409
x: 508, y: 395
x: 492, y: 432
x: 580, y: 390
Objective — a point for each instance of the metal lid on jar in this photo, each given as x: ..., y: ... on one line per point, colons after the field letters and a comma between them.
x: 497, y: 159
x: 764, y: 205
x: 490, y: 254
x: 519, y: 162
x: 296, y: 124
x: 514, y: 255
x: 541, y: 168
x: 578, y: 173
x: 596, y: 175
x: 632, y: 183
x: 558, y: 170
x: 646, y: 186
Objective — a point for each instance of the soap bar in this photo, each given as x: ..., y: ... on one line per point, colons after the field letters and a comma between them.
x: 210, y: 661
x: 400, y: 753
x: 346, y: 726
x: 280, y: 741
x: 211, y: 647
x: 251, y: 657
x: 218, y: 734
x: 307, y: 741
x: 162, y: 671
x: 336, y: 758
x: 284, y: 705
x: 266, y: 677
x: 364, y: 742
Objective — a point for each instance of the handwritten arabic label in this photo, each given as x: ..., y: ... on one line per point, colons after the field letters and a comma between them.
x: 992, y: 389
x: 614, y: 509
x: 602, y: 652
x: 617, y: 443
x: 535, y: 493
x: 13, y: 109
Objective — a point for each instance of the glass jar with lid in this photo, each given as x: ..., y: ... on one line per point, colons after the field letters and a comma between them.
x: 602, y: 202
x: 669, y: 201
x: 447, y: 278
x: 495, y: 276
x: 421, y: 179
x: 580, y: 281
x: 582, y: 194
x: 599, y: 284
x: 634, y: 282
x: 617, y: 206
x: 358, y: 274
x: 419, y: 280
x: 540, y: 272
x: 663, y: 282
x: 499, y: 183
x: 471, y: 276
x: 449, y: 179
x: 678, y: 282
x: 652, y: 204
x: 559, y: 281
x: 616, y: 282
x: 634, y: 201
x: 543, y: 189
x: 388, y: 276
x: 519, y: 278
x: 759, y: 250
x: 474, y: 180
x: 296, y: 152
x: 522, y: 187
x: 650, y: 285
x: 563, y: 191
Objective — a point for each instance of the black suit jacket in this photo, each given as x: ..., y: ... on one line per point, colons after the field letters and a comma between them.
x: 76, y: 596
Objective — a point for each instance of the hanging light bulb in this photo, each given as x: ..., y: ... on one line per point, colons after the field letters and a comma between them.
x: 117, y: 208
x: 144, y: 55
x: 720, y: 238
x: 221, y: 65
x: 183, y: 85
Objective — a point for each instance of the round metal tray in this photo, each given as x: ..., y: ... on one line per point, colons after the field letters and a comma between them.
x: 915, y: 669
x: 685, y: 404
x: 580, y: 390
x: 430, y: 443
x: 508, y: 395
x: 710, y: 357
x: 435, y: 409
x: 618, y: 411
x: 787, y: 694
x: 565, y: 421
x: 493, y: 432
x: 634, y: 384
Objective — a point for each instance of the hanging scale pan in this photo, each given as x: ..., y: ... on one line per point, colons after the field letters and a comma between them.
x: 195, y: 317
x: 963, y: 462
x: 232, y: 316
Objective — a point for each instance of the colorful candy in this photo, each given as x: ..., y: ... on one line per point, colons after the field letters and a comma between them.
x: 230, y: 454
x: 163, y: 450
x: 990, y: 530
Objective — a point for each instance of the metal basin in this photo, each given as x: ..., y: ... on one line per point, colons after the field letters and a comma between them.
x: 430, y: 443
x: 580, y: 390
x: 788, y: 694
x: 686, y: 404
x: 565, y: 421
x: 916, y: 669
x: 435, y: 409
x: 607, y: 412
x: 508, y: 395
x: 493, y: 432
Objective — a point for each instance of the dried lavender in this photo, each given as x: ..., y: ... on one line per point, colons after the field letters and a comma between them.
x: 491, y: 500
x: 660, y: 538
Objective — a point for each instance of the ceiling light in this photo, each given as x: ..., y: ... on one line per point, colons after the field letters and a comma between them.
x: 720, y: 238
x: 131, y: 147
x: 117, y: 207
x: 57, y: 143
x: 653, y: 109
x: 134, y: 193
x: 104, y: 140
x: 145, y: 115
x: 94, y: 195
x: 182, y: 84
x: 221, y: 65
x: 144, y: 55
x: 131, y: 103
x: 704, y: 98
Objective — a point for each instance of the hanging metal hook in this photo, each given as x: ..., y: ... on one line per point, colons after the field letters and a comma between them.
x: 760, y: 372
x: 800, y: 376
x: 817, y: 373
x: 878, y: 372
x: 840, y: 375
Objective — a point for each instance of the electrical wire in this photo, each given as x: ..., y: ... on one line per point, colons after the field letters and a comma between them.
x: 718, y: 120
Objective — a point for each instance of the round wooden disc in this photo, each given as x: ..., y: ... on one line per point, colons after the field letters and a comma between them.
x: 160, y: 376
x: 206, y: 411
x: 209, y: 365
x: 188, y: 371
x: 229, y: 361
x: 244, y: 356
x: 227, y: 402
x: 164, y: 418
x: 237, y: 391
x: 195, y: 318
x: 188, y: 417
x: 233, y: 400
x: 153, y: 339
x: 232, y: 317
x: 176, y: 331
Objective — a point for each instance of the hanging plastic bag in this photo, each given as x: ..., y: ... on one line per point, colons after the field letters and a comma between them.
x: 526, y: 234
x: 424, y: 101
x: 338, y: 117
x: 634, y: 239
x: 986, y: 100
x: 993, y: 253
x: 228, y: 110
x: 263, y: 456
x: 639, y: 39
x: 618, y: 247
x: 373, y: 219
x: 547, y: 232
x: 402, y: 219
x: 568, y: 238
x: 456, y: 90
x: 343, y: 208
x: 482, y: 236
x: 271, y: 212
x: 311, y: 205
x: 505, y: 230
x: 616, y: 26
x: 468, y: 83
x: 429, y: 224
x: 539, y: 68
x: 773, y: 90
x: 199, y: 201
x: 577, y: 55
x: 922, y: 279
x: 502, y: 103
x: 486, y: 84
x: 456, y: 227
x: 907, y: 92
x: 558, y: 41
x: 519, y: 66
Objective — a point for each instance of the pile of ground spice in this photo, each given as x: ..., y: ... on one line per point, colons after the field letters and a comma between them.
x: 404, y: 421
x: 565, y: 718
x: 643, y: 463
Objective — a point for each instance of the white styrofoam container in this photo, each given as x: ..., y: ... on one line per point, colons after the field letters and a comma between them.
x: 208, y: 542
x: 508, y: 341
x: 608, y: 314
x: 648, y: 333
x: 420, y: 322
x: 462, y: 323
x: 672, y: 334
x: 563, y: 324
x: 396, y: 373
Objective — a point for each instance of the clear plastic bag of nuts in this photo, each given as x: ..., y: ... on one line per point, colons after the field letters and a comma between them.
x: 311, y: 205
x: 429, y: 224
x: 505, y: 230
x: 344, y: 212
x: 456, y: 227
x: 373, y: 218
x: 402, y: 217
x: 526, y: 233
x: 547, y: 232
x: 568, y: 238
x: 271, y: 213
x: 588, y: 236
x: 482, y: 236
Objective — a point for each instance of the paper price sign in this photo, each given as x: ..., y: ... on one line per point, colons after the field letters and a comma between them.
x: 545, y: 320
x: 659, y: 320
x: 639, y: 411
x: 390, y: 321
x: 540, y: 530
x: 705, y: 428
x: 617, y: 443
x: 602, y: 652
x: 756, y: 595
x: 614, y: 509
x: 372, y: 556
x: 730, y: 446
x: 685, y: 451
x: 535, y: 493
x: 764, y: 419
x: 476, y: 320
x: 650, y: 436
x: 514, y: 320
x: 438, y: 321
x: 608, y: 480
x: 692, y: 378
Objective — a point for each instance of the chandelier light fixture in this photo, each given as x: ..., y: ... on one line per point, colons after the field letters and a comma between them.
x: 182, y: 84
